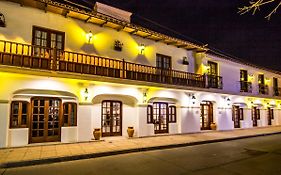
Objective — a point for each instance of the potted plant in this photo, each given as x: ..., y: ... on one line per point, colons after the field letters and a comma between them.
x: 130, y: 131
x: 118, y: 45
x: 97, y: 133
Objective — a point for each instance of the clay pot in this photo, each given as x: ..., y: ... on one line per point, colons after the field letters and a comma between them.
x: 97, y: 133
x: 130, y: 131
x: 213, y: 126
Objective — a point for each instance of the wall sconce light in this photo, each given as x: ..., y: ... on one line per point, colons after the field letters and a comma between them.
x: 86, y: 94
x: 193, y: 99
x: 144, y: 97
x: 228, y: 101
x: 141, y: 48
x: 89, y: 37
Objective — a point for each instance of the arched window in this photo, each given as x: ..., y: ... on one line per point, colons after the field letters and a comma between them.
x: 19, y: 114
x: 69, y: 114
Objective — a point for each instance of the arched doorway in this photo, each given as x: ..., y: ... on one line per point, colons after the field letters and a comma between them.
x: 45, y: 119
x: 206, y: 115
x: 255, y: 115
x: 237, y: 115
x: 111, y: 118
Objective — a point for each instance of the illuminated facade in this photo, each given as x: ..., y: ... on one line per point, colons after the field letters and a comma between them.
x: 66, y: 70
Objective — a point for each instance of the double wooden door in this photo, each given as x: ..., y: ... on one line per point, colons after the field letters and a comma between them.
x: 255, y: 115
x: 269, y: 116
x: 237, y: 115
x: 160, y: 117
x: 45, y: 120
x: 111, y: 119
x: 206, y: 116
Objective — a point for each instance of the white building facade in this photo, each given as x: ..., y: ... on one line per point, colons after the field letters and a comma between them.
x: 66, y: 70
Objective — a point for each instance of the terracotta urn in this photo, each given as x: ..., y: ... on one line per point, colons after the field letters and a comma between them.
x: 213, y: 126
x: 130, y: 131
x: 97, y: 133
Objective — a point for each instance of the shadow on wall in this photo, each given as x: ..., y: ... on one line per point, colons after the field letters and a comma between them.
x: 141, y: 59
x: 89, y: 49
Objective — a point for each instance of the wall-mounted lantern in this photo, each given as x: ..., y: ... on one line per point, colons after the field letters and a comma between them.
x: 2, y: 20
x: 89, y: 37
x: 86, y: 94
x: 118, y: 45
x: 144, y: 97
x: 185, y: 61
x: 192, y: 98
x: 228, y: 101
x: 141, y: 48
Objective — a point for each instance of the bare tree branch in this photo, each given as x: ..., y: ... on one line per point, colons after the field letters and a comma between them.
x: 255, y: 5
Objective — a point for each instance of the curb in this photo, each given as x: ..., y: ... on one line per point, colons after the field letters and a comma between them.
x: 118, y: 152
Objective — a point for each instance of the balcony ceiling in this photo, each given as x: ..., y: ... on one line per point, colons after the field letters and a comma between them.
x: 103, y: 20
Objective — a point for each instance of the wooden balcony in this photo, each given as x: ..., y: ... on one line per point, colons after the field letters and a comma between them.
x: 277, y: 91
x: 263, y: 89
x: 245, y: 86
x: 35, y: 57
x: 214, y: 81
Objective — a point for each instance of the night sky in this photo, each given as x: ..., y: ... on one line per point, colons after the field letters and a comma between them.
x: 213, y: 22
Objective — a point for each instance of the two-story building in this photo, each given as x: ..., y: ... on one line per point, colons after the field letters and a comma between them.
x: 66, y: 69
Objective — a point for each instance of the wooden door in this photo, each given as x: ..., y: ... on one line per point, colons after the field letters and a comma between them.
x: 45, y: 120
x: 255, y: 115
x: 206, y: 116
x: 160, y: 117
x: 236, y: 116
x: 111, y: 118
x: 269, y: 116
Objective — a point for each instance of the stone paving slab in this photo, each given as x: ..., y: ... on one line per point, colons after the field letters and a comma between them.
x: 51, y: 153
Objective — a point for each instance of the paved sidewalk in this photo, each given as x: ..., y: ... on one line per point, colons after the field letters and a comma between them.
x: 50, y: 153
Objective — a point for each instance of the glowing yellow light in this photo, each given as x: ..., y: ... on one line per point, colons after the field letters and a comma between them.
x: 250, y: 77
x: 267, y: 80
x: 206, y: 68
x: 89, y: 37
x: 141, y: 49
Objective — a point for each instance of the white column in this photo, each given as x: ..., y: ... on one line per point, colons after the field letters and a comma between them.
x: 224, y: 119
x: 248, y: 123
x: 86, y: 120
x: 4, y: 123
x: 190, y: 119
x: 144, y: 129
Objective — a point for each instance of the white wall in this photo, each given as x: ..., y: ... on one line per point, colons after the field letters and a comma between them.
x: 4, y: 123
x: 69, y: 134
x: 18, y: 137
x: 224, y: 119
x: 144, y: 128
x: 84, y: 122
x: 190, y: 119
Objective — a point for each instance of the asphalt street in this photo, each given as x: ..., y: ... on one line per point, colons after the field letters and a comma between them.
x: 257, y: 156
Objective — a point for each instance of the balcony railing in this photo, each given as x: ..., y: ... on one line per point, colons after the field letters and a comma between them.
x: 214, y: 81
x: 36, y: 57
x: 276, y: 91
x: 263, y: 89
x: 245, y: 86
